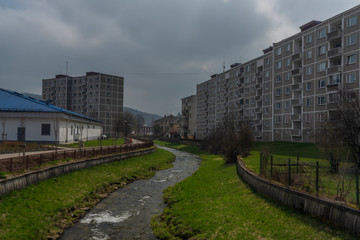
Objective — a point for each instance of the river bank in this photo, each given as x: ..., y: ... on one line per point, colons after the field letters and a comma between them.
x: 43, y: 210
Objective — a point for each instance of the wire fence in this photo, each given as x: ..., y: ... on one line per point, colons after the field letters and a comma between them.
x: 316, y: 177
x: 22, y: 162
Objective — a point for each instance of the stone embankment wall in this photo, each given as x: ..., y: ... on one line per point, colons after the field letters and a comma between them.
x: 16, y: 183
x: 331, y: 211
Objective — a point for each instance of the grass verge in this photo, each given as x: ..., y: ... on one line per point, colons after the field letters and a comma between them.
x: 41, y: 211
x: 96, y: 143
x: 215, y: 204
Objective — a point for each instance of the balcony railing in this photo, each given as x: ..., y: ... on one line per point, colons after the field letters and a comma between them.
x: 295, y: 132
x: 334, y: 69
x: 296, y: 117
x: 296, y: 57
x: 335, y: 34
x: 296, y: 102
x: 296, y: 71
x: 335, y: 52
x: 296, y: 87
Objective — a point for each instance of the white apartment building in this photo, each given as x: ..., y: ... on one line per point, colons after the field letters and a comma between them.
x: 291, y: 88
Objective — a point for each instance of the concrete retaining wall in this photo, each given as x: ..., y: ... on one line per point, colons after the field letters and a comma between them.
x: 16, y: 183
x: 329, y: 210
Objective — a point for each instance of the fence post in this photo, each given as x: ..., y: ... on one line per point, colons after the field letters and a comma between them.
x: 317, y: 179
x: 260, y: 162
x: 27, y: 162
x: 64, y: 154
x: 11, y: 165
x: 297, y: 162
x: 357, y: 185
x: 271, y: 166
x: 289, y: 179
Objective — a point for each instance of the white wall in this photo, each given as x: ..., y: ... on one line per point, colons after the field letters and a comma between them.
x: 33, y: 129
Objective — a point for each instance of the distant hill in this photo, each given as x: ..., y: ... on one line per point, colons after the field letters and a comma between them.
x: 149, y: 117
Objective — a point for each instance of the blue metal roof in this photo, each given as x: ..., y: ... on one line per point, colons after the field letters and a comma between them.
x: 15, y: 102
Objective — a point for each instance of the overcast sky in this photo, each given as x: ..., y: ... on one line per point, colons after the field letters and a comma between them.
x: 163, y: 48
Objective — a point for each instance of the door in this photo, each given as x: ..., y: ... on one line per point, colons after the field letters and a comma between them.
x: 21, y: 134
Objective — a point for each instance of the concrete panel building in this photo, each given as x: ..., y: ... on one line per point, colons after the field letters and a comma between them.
x: 97, y: 95
x: 291, y: 88
x: 188, y: 117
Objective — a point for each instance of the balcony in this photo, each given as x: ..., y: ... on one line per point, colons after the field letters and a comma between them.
x: 296, y: 117
x: 296, y: 102
x: 258, y: 110
x: 335, y: 34
x: 297, y: 71
x: 335, y: 52
x: 334, y: 69
x: 296, y: 87
x: 297, y: 80
x: 295, y: 132
x: 333, y: 87
x: 332, y: 106
x: 296, y: 57
x: 258, y: 134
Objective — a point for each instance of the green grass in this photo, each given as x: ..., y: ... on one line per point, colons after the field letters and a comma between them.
x: 305, y: 150
x: 42, y: 210
x: 181, y: 147
x: 215, y: 204
x: 96, y: 143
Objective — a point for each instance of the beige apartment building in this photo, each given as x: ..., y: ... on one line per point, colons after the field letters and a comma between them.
x: 291, y: 88
x: 97, y: 95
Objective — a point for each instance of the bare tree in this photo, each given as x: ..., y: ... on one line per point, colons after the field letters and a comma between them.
x: 140, y: 121
x: 125, y: 124
x: 341, y: 130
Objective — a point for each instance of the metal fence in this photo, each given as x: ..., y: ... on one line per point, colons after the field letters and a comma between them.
x: 22, y: 162
x: 313, y: 177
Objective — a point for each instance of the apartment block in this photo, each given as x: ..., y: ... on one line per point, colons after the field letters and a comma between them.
x: 285, y: 93
x: 96, y: 95
x: 188, y: 117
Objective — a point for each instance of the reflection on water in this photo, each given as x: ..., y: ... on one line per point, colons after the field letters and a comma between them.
x: 126, y: 213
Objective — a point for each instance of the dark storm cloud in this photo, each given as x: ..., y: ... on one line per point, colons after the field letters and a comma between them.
x: 163, y: 48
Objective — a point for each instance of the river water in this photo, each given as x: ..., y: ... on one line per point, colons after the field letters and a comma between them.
x: 127, y: 212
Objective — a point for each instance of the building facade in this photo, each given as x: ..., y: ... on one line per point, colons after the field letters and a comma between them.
x: 168, y: 126
x: 97, y: 95
x: 26, y: 119
x: 188, y: 117
x: 291, y: 88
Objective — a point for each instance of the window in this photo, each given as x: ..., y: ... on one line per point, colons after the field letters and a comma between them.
x: 308, y: 118
x: 287, y: 47
x: 309, y: 54
x: 308, y: 70
x: 266, y: 110
x: 267, y: 61
x: 278, y: 119
x: 336, y: 79
x: 287, y: 90
x: 247, y: 68
x: 267, y: 73
x: 278, y: 92
x: 322, y: 33
x: 287, y: 76
x: 321, y: 117
x: 308, y: 102
x: 267, y: 85
x: 351, y: 21
x: 351, y: 59
x: 321, y: 83
x: 321, y: 67
x: 266, y: 98
x: 287, y: 118
x: 309, y: 38
x: 278, y: 51
x: 247, y: 79
x: 351, y: 40
x: 266, y: 123
x: 278, y: 64
x: 287, y: 105
x: 321, y: 100
x: 322, y: 50
x: 278, y: 106
x: 351, y: 77
x: 308, y: 86
x: 287, y: 62
x: 45, y: 129
x: 253, y: 78
x: 278, y: 78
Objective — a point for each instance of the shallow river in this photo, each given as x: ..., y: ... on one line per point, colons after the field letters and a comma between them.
x: 126, y: 213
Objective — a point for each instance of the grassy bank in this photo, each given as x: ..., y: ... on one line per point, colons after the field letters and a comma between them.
x: 42, y: 210
x: 96, y: 143
x: 215, y: 204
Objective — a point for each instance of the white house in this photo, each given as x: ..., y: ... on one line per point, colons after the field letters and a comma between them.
x: 27, y: 119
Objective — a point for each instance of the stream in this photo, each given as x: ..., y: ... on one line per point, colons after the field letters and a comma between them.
x: 126, y: 213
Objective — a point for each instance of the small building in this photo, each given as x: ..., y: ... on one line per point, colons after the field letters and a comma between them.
x: 168, y: 126
x: 27, y: 119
